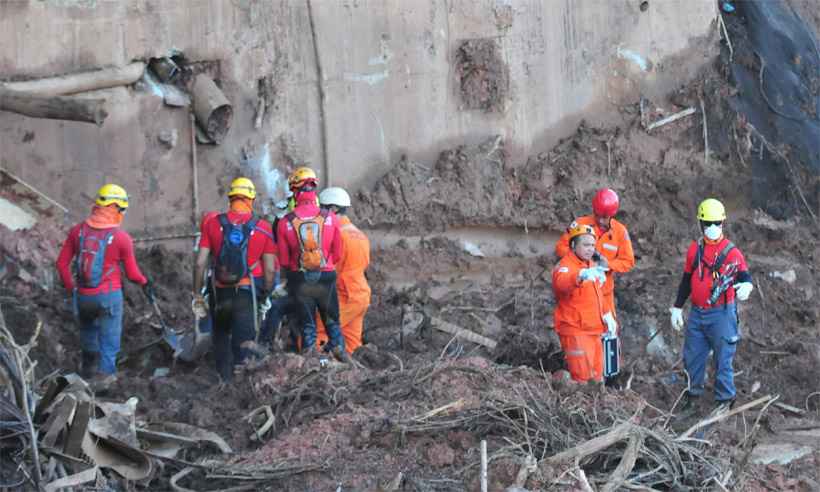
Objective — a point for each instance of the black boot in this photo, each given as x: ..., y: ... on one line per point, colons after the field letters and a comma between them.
x: 89, y: 364
x: 689, y: 404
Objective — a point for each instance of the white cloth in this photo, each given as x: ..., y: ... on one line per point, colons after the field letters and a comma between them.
x: 677, y: 318
x: 264, y: 307
x: 611, y: 324
x: 743, y: 290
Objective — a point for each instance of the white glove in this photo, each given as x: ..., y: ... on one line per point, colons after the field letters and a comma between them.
x: 593, y: 273
x: 199, y: 307
x: 279, y: 292
x: 264, y: 307
x: 743, y: 290
x: 677, y: 318
x: 611, y: 324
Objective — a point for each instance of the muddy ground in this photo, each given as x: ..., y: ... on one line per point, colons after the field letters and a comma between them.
x: 468, y: 239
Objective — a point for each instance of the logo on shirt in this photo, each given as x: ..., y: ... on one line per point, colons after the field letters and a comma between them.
x: 610, y: 247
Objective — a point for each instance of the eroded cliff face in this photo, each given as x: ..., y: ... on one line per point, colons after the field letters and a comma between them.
x: 346, y: 86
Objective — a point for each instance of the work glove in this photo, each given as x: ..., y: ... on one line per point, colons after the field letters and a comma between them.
x: 148, y: 290
x: 593, y: 273
x: 743, y: 290
x: 677, y: 318
x: 611, y: 324
x: 279, y: 292
x: 199, y: 307
x: 264, y: 307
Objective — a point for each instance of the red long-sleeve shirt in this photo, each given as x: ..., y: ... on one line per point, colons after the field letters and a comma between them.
x: 288, y: 243
x: 121, y: 250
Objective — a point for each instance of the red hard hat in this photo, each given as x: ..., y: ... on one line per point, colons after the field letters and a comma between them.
x: 605, y: 203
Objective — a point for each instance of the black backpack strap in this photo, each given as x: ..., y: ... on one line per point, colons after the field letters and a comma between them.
x: 223, y: 221
x: 721, y: 258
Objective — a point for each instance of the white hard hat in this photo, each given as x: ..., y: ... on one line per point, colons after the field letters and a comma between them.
x: 334, y: 196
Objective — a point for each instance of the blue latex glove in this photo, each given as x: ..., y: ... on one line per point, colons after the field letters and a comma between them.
x: 593, y: 274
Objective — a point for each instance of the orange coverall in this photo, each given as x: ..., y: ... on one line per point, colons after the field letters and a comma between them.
x: 614, y: 245
x: 351, y: 285
x: 578, y: 319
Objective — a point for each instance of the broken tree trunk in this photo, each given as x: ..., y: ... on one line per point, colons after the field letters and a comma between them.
x: 462, y: 333
x: 53, y: 107
x: 80, y: 82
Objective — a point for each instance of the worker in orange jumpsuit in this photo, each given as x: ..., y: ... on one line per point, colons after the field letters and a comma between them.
x: 581, y: 317
x: 614, y: 248
x: 351, y: 284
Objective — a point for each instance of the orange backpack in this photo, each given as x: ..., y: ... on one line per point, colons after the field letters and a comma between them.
x: 309, y: 234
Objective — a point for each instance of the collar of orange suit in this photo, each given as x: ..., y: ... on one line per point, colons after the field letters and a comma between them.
x: 104, y: 217
x: 241, y: 205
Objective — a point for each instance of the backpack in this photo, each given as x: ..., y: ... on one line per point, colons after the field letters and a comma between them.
x: 91, y: 258
x: 231, y: 265
x: 309, y: 234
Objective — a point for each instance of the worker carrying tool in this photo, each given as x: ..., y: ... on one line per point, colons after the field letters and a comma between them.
x: 613, y: 249
x: 351, y: 283
x: 581, y: 318
x: 715, y: 275
x: 238, y: 246
x: 97, y: 246
x: 310, y: 246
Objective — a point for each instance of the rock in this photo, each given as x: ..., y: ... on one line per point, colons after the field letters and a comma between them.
x: 561, y: 376
x: 440, y: 455
x: 789, y: 276
x: 201, y: 415
x: 779, y: 453
x: 168, y: 138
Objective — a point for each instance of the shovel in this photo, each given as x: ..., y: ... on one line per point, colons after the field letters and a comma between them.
x: 196, y: 342
x: 169, y: 336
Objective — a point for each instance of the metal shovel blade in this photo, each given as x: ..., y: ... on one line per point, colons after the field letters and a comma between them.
x: 196, y: 342
x: 168, y: 335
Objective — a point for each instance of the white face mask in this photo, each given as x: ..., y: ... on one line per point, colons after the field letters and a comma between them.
x: 713, y: 232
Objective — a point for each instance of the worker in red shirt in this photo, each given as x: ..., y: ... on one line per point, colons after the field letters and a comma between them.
x: 581, y: 317
x: 238, y: 246
x: 715, y: 275
x: 97, y: 247
x: 614, y: 248
x: 310, y: 245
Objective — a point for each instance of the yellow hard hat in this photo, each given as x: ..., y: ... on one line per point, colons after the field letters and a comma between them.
x: 111, y: 193
x: 242, y: 187
x: 711, y: 210
x: 301, y: 175
x: 575, y: 229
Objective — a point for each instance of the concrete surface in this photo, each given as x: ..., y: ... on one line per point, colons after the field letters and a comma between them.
x: 388, y: 81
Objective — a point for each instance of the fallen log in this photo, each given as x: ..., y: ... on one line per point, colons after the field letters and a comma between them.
x: 53, y: 107
x: 80, y: 82
x: 462, y: 333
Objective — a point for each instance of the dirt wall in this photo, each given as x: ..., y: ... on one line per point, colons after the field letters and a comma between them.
x: 390, y: 78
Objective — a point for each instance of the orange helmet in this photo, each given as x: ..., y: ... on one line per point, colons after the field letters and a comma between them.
x: 575, y: 229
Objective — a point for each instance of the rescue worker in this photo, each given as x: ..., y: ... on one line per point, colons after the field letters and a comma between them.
x: 351, y: 283
x: 614, y: 248
x: 310, y: 245
x: 98, y: 246
x: 580, y: 316
x: 715, y: 275
x: 237, y: 245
